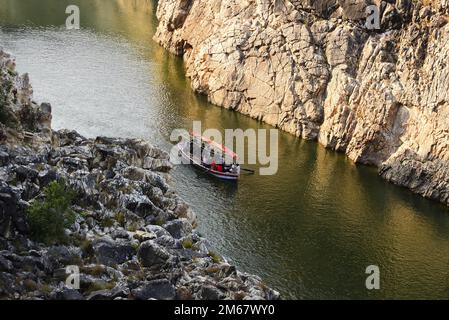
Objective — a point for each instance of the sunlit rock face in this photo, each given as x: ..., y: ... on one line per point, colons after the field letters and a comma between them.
x: 313, y: 69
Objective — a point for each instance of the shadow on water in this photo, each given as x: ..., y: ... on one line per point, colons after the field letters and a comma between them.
x: 309, y: 231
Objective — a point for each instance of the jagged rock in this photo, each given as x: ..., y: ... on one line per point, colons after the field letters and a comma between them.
x: 7, y: 207
x: 157, y: 289
x: 183, y: 293
x: 11, y: 214
x: 143, y: 236
x: 113, y: 252
x: 5, y: 265
x: 184, y: 211
x: 26, y: 173
x: 158, y: 230
x: 8, y: 285
x: 62, y: 256
x: 210, y: 293
x: 31, y: 263
x: 118, y: 291
x: 140, y: 204
x: 168, y: 241
x: 151, y: 254
x: 178, y: 228
x: 120, y: 234
x: 4, y: 158
x: 68, y: 294
x: 162, y: 165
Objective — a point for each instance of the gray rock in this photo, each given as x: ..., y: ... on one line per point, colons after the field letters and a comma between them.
x: 179, y: 228
x: 61, y: 256
x: 139, y: 204
x: 143, y: 236
x: 161, y: 165
x: 7, y: 210
x: 32, y: 263
x: 68, y: 294
x: 151, y: 254
x: 208, y: 292
x: 5, y: 265
x: 119, y: 233
x: 168, y: 241
x: 45, y: 108
x: 117, y: 292
x: 134, y: 173
x: 158, y: 230
x: 26, y: 173
x: 47, y: 176
x: 113, y: 253
x: 4, y: 158
x: 8, y: 285
x: 160, y: 289
x: 157, y: 180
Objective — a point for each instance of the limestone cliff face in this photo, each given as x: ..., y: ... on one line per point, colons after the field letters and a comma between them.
x: 313, y: 69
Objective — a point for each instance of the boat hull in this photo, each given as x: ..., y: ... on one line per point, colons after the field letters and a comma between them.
x: 220, y: 175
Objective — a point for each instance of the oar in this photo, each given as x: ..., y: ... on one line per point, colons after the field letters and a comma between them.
x: 248, y: 170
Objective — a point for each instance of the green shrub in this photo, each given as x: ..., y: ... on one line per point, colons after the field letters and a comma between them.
x: 101, y: 285
x: 187, y: 243
x: 87, y: 247
x: 121, y: 219
x: 3, y: 113
x: 49, y: 217
x: 107, y: 222
x: 5, y: 88
x: 215, y: 257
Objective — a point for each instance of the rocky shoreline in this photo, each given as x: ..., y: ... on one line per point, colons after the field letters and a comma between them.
x: 313, y: 69
x: 132, y: 237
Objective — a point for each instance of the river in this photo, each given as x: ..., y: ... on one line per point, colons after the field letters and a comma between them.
x: 309, y: 231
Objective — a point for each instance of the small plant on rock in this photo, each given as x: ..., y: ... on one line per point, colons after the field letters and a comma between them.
x: 187, y: 243
x: 121, y: 219
x: 5, y: 115
x: 49, y: 217
x: 215, y: 257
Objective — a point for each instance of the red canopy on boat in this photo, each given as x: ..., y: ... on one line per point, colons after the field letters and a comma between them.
x: 220, y: 147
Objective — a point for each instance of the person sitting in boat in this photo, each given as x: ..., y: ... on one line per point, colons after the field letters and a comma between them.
x: 210, y: 161
x: 191, y: 146
x: 217, y: 161
x: 235, y: 169
x: 207, y: 157
x: 216, y: 167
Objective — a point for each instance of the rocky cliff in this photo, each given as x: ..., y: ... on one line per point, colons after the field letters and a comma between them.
x: 313, y: 68
x: 131, y: 236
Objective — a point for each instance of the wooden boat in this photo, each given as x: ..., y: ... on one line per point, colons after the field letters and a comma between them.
x: 223, y: 162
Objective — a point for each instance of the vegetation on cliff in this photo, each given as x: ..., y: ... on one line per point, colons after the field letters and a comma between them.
x: 49, y: 217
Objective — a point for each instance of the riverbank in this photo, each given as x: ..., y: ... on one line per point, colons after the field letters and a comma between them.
x: 314, y: 70
x: 131, y: 236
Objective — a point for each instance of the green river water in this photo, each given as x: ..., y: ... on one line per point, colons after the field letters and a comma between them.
x: 309, y: 231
